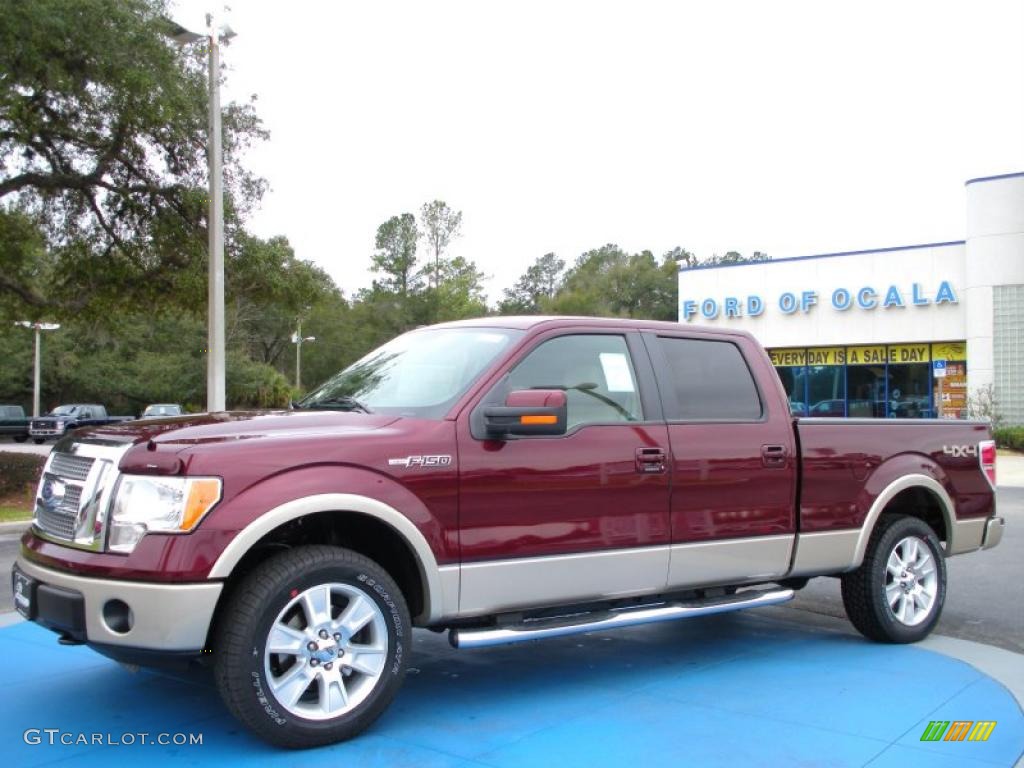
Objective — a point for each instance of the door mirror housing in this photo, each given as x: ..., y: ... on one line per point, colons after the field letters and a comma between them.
x: 527, y: 412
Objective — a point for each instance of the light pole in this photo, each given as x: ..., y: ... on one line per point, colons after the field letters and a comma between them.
x: 297, y: 340
x: 215, y: 366
x: 35, y: 385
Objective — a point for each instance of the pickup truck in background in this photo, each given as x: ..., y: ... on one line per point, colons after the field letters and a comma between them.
x: 64, y: 418
x: 13, y: 422
x: 503, y: 479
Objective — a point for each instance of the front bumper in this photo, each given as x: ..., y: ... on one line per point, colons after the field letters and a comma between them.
x: 993, y: 532
x: 170, y: 618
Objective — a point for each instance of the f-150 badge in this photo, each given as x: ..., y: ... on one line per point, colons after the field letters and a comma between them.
x: 441, y: 460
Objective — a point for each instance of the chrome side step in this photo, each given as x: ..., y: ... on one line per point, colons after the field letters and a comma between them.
x: 615, y: 619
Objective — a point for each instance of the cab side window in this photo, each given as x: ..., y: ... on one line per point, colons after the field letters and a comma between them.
x: 711, y: 381
x: 595, y: 371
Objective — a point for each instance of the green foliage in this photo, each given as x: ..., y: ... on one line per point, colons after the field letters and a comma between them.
x: 1010, y: 437
x: 439, y: 225
x: 610, y: 282
x: 103, y: 123
x: 19, y: 471
x: 540, y: 281
x: 396, y: 254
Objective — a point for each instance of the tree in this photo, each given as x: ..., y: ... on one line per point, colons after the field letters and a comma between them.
x: 440, y: 225
x: 609, y: 282
x: 102, y: 155
x: 459, y: 293
x: 540, y: 281
x: 734, y: 257
x: 396, y: 253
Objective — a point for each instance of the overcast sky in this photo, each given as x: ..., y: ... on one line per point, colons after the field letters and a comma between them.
x: 787, y: 127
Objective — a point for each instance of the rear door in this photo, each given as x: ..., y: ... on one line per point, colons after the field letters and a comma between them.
x: 575, y: 517
x: 733, y: 460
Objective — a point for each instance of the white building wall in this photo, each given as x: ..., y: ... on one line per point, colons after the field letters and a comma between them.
x: 990, y: 261
x: 822, y: 324
x: 995, y: 257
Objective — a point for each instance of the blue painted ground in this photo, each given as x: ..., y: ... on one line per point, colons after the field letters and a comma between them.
x: 735, y: 690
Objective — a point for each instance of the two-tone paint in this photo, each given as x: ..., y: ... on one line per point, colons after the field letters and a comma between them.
x: 604, y: 511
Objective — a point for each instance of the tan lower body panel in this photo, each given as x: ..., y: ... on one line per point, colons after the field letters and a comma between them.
x: 167, y: 617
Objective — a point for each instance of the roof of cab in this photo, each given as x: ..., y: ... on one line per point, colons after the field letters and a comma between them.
x: 532, y: 322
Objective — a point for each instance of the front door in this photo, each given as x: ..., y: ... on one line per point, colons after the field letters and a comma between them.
x: 576, y: 517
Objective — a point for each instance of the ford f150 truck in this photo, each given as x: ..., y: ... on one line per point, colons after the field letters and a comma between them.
x: 504, y: 479
x: 64, y: 418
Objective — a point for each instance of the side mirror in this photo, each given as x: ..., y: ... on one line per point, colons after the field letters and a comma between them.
x: 528, y: 412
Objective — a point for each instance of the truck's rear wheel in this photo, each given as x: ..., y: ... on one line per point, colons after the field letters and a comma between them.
x: 897, y: 594
x: 312, y: 646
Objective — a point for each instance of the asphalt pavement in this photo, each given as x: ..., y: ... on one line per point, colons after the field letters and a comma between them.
x: 44, y: 449
x: 984, y: 590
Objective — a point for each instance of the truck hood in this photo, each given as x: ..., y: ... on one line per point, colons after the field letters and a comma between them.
x: 179, y: 432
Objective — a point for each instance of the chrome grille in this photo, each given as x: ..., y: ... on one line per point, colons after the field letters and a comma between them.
x: 69, y: 467
x: 55, y: 522
x: 75, y: 493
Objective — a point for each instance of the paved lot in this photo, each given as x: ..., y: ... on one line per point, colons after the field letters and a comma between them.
x: 985, y: 592
x: 7, y: 444
x: 731, y: 690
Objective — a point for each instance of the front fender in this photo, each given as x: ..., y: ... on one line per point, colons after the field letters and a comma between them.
x: 261, y: 508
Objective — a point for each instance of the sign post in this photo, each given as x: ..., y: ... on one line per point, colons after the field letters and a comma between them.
x: 939, y: 371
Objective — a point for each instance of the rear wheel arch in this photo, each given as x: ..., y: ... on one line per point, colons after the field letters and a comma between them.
x: 357, y: 522
x: 914, y: 495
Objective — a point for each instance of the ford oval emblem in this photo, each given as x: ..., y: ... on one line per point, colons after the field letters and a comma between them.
x: 53, y: 492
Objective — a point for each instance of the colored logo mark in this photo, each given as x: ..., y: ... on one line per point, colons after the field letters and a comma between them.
x: 958, y: 730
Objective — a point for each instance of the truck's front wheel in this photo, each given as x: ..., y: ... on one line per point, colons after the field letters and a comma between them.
x: 896, y: 595
x: 312, y: 646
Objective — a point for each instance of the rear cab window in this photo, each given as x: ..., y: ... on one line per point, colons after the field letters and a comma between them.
x: 709, y: 380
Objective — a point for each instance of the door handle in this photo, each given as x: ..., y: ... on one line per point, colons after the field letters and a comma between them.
x: 774, y: 455
x: 650, y: 460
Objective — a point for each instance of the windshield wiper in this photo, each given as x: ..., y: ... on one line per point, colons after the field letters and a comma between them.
x: 342, y: 402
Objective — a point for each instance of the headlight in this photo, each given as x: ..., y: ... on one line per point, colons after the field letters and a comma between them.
x: 60, y: 425
x: 147, y: 504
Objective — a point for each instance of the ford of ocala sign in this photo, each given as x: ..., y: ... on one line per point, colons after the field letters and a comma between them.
x: 841, y: 299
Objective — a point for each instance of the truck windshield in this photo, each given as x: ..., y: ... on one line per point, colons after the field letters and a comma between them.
x: 420, y: 373
x: 64, y: 410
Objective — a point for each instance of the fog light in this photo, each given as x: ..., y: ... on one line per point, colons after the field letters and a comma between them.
x: 118, y: 616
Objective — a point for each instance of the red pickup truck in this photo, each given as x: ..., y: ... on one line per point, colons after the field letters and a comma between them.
x: 505, y: 479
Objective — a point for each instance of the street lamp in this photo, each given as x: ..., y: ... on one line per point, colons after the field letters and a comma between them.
x: 35, y: 386
x: 215, y: 366
x: 298, y: 339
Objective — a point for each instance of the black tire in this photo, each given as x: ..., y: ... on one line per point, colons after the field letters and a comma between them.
x: 38, y: 440
x: 244, y: 623
x: 864, y: 590
x: 20, y: 438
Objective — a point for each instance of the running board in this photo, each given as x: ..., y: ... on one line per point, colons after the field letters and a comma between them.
x: 615, y: 619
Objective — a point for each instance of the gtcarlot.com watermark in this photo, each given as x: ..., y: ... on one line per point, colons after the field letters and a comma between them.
x: 55, y: 736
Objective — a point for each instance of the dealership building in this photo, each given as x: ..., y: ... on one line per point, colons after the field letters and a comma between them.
x: 912, y: 331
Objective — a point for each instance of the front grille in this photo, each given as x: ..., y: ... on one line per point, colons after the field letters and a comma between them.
x: 56, y: 522
x: 67, y: 466
x: 58, y: 518
x: 41, y: 425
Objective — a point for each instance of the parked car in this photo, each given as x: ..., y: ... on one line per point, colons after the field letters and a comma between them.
x: 161, y: 410
x: 13, y: 422
x: 64, y: 418
x: 504, y: 479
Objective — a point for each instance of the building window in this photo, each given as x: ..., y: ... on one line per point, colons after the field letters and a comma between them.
x: 875, y: 381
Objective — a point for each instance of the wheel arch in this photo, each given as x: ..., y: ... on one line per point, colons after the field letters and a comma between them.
x: 438, y: 585
x: 898, y: 489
